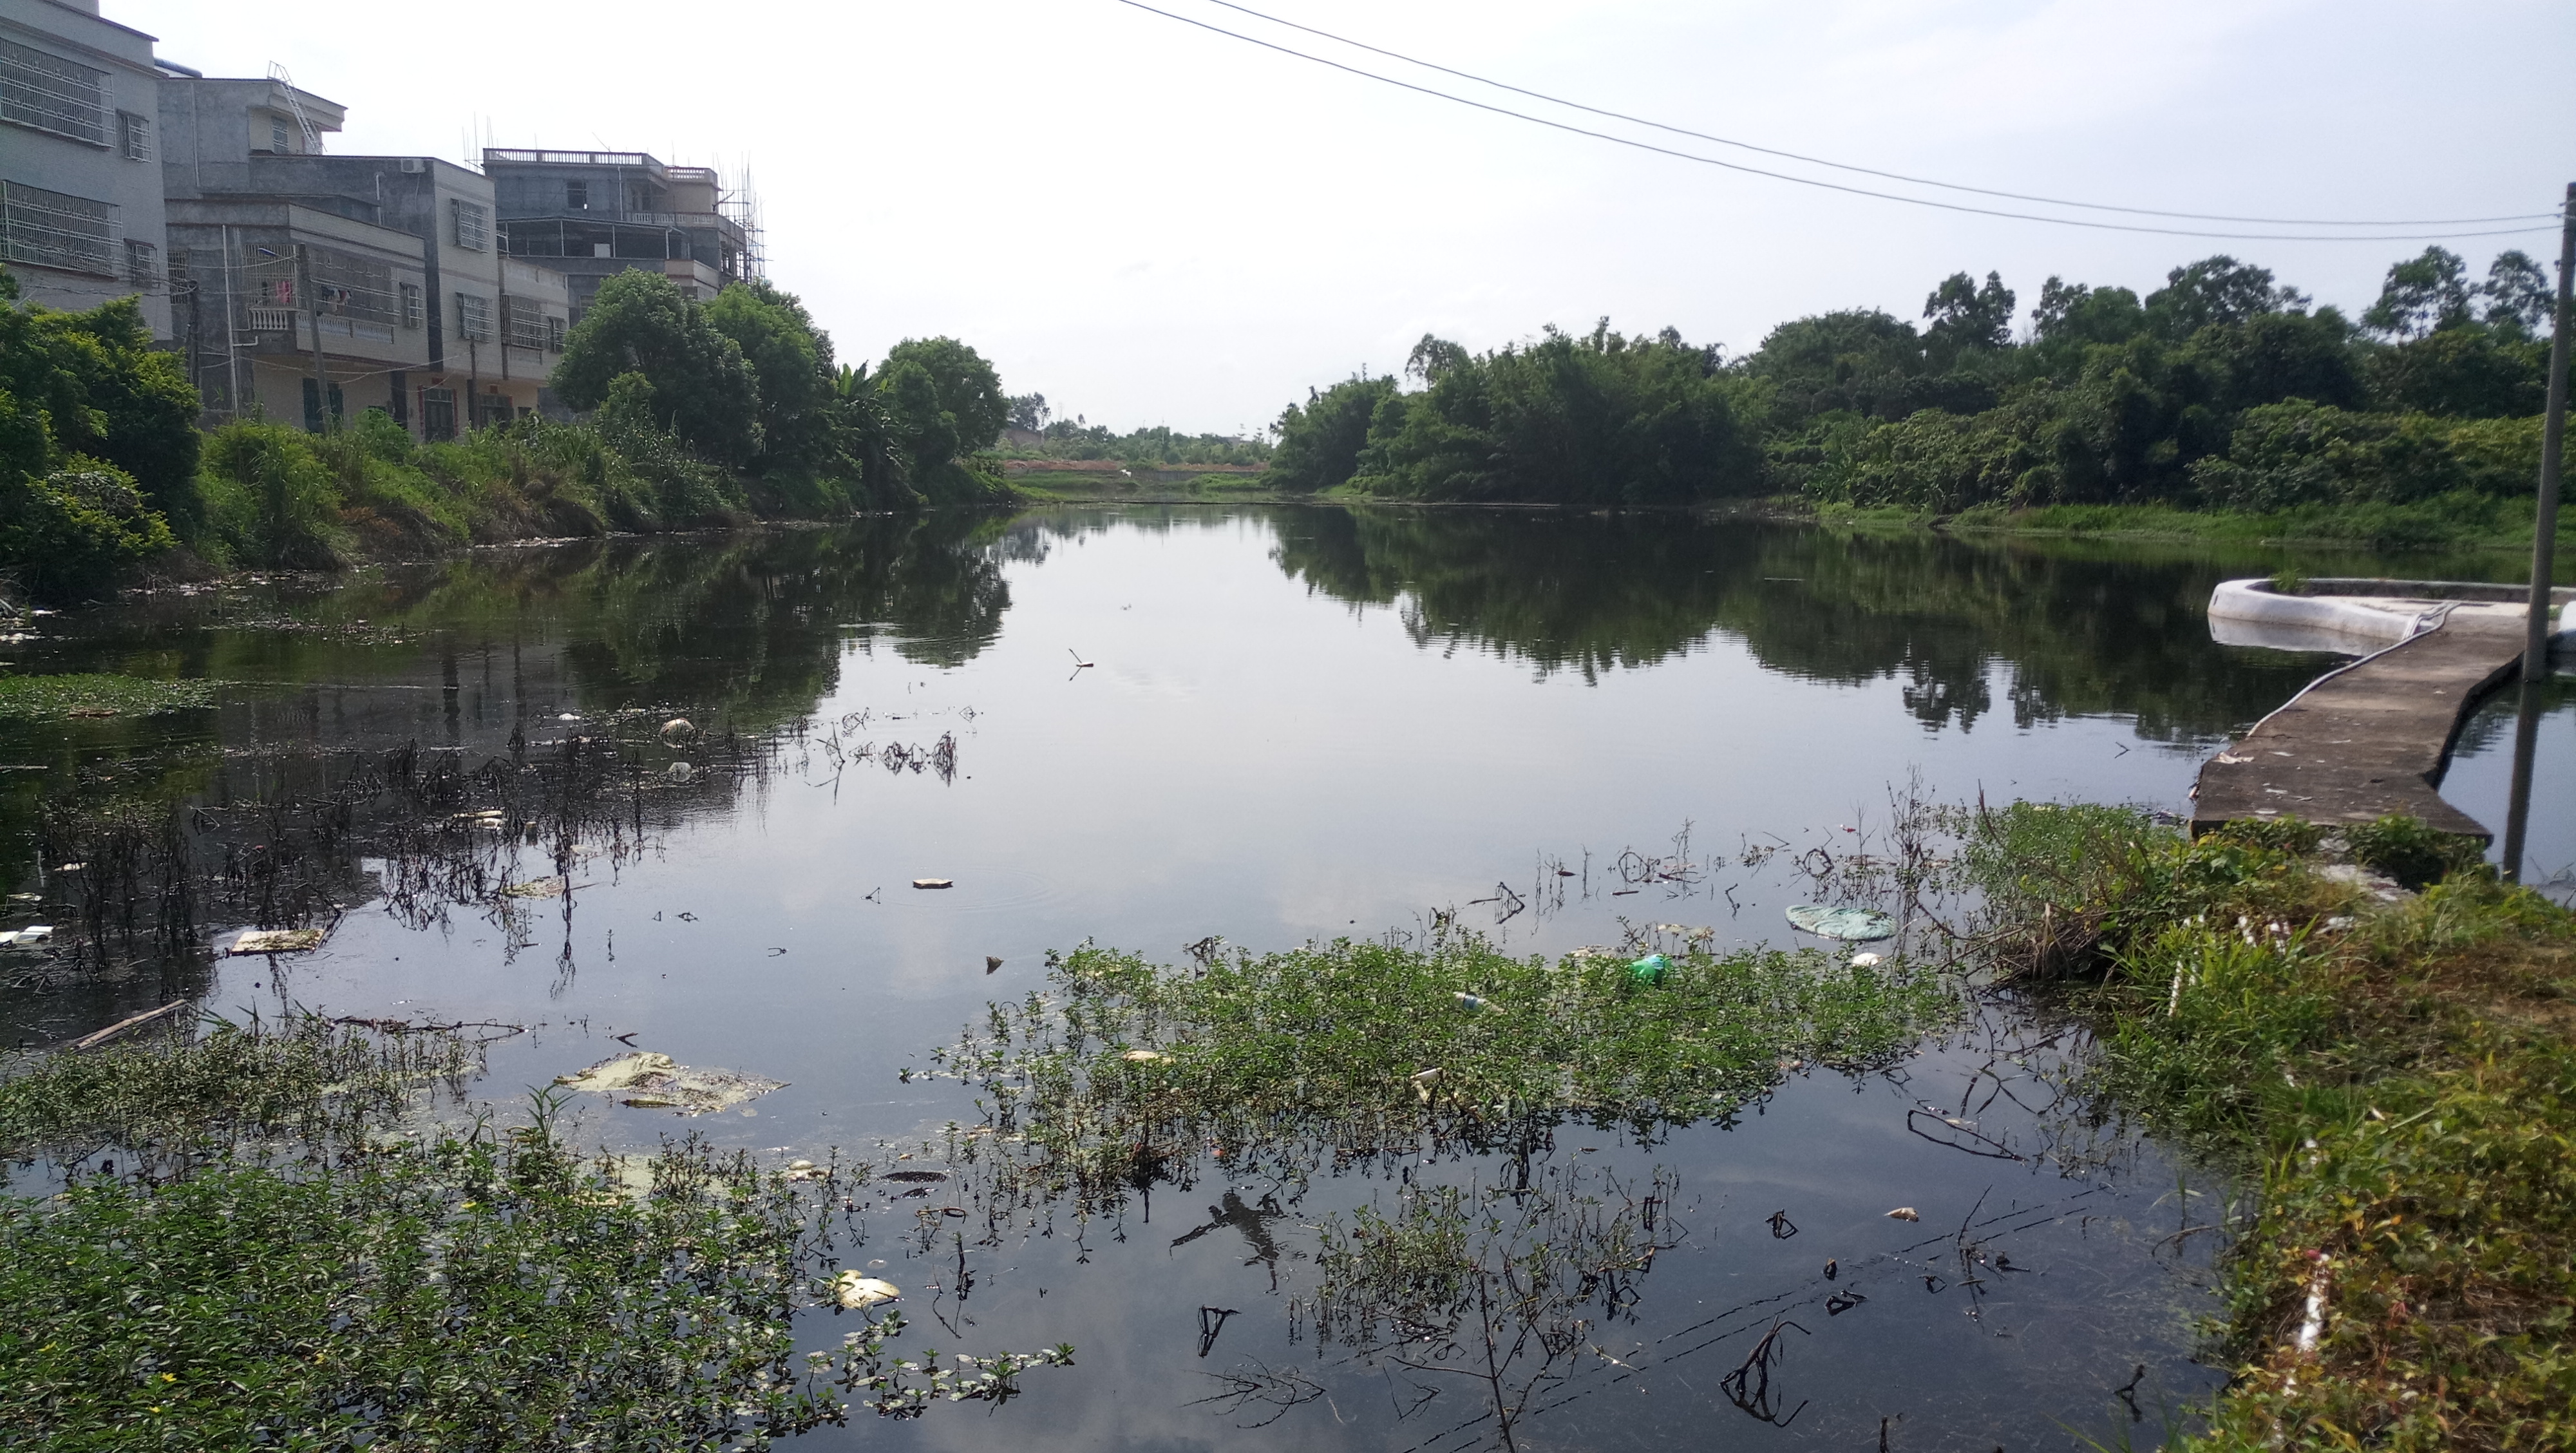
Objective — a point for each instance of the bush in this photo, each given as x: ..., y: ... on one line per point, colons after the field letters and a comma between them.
x: 71, y: 533
x: 271, y: 502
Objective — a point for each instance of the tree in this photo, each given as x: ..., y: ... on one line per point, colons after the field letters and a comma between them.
x: 791, y: 365
x: 97, y: 387
x: 964, y: 387
x: 1433, y: 357
x: 2215, y: 289
x: 1966, y: 316
x: 703, y: 390
x: 2423, y: 294
x: 2077, y: 314
x: 1029, y: 411
x: 1320, y: 440
x: 2518, y: 294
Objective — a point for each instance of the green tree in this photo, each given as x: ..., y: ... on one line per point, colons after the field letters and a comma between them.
x: 1966, y: 316
x: 964, y: 386
x: 1320, y: 440
x: 704, y: 391
x: 791, y: 366
x: 2518, y: 295
x: 2422, y: 295
x: 104, y: 391
x: 2468, y: 373
x: 2216, y: 289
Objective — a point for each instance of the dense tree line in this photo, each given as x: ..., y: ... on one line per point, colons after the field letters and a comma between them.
x: 696, y: 414
x: 1159, y: 446
x: 2222, y: 389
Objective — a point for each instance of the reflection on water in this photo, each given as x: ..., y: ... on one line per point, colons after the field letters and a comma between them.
x: 1301, y: 723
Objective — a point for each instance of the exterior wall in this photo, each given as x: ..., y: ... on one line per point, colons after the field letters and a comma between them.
x: 467, y: 367
x: 71, y: 138
x: 596, y: 214
x: 268, y: 273
x: 213, y: 127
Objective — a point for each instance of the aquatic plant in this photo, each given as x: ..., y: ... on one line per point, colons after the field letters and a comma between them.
x: 1287, y: 1060
x: 73, y: 695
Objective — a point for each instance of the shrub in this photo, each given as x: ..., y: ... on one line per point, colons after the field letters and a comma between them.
x: 72, y: 532
x: 271, y: 502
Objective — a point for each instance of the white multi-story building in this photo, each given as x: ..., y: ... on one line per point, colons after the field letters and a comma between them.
x: 80, y: 194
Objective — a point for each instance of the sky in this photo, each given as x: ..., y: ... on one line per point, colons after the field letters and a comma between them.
x: 1151, y: 223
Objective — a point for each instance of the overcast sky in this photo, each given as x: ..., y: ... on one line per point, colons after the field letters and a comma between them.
x: 1153, y: 224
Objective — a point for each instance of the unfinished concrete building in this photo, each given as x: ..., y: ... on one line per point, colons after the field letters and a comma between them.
x: 324, y: 285
x: 594, y: 214
x: 80, y: 200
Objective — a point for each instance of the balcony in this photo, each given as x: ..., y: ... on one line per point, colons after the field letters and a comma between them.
x: 270, y: 320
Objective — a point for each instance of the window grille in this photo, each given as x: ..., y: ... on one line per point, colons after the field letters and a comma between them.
x: 524, y: 322
x: 139, y: 271
x: 554, y: 334
x: 473, y: 225
x: 473, y: 318
x: 52, y: 94
x: 438, y: 413
x: 134, y: 134
x: 49, y: 229
x: 577, y: 196
x: 411, y: 309
x: 352, y: 286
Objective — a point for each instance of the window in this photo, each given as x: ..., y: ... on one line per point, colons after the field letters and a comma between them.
x: 139, y: 270
x: 554, y: 334
x: 473, y: 225
x: 135, y: 136
x: 277, y: 136
x: 524, y: 322
x: 473, y: 318
x: 438, y: 413
x: 52, y: 94
x: 411, y: 309
x: 577, y: 196
x: 347, y: 285
x: 50, y: 229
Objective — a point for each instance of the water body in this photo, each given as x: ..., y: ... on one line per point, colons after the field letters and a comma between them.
x: 1293, y: 724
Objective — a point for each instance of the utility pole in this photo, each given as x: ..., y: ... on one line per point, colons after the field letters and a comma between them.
x: 312, y: 305
x: 2544, y: 541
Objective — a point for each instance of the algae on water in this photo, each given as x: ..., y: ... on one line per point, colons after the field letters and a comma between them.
x: 89, y: 694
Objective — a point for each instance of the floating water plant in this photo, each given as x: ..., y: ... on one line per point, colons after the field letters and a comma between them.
x: 76, y: 695
x: 1352, y: 1048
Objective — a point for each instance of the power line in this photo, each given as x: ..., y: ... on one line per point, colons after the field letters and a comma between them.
x: 1825, y: 185
x: 1870, y: 171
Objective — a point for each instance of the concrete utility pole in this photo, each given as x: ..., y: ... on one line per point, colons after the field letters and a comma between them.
x: 2553, y: 442
x: 312, y: 305
x: 2544, y: 541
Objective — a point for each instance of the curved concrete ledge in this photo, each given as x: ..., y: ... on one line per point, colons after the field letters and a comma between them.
x: 2358, y: 616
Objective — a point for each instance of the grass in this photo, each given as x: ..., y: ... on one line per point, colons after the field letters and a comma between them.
x: 2400, y: 1075
x: 87, y: 694
x: 1346, y: 1048
x: 275, y: 1269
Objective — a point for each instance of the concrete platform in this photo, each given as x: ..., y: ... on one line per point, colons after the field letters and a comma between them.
x: 2371, y: 738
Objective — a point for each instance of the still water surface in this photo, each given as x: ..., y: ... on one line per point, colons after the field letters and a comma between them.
x: 1295, y: 724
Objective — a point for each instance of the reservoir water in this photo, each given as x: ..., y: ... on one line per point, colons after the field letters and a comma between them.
x: 1152, y: 726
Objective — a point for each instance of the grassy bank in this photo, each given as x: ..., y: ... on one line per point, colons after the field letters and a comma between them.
x: 2458, y: 521
x: 2395, y: 1066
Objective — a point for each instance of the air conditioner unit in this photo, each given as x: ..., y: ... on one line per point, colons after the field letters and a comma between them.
x: 414, y: 165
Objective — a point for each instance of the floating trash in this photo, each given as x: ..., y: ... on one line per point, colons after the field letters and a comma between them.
x: 554, y: 887
x: 1852, y: 925
x: 1474, y: 1002
x: 991, y: 963
x: 28, y: 937
x: 914, y: 1177
x: 857, y: 1293
x: 1904, y: 1213
x: 1146, y: 1057
x: 650, y: 1081
x: 677, y: 730
x: 934, y: 882
x: 681, y: 772
x: 272, y: 941
x: 26, y: 897
x: 1867, y: 960
x: 1650, y: 970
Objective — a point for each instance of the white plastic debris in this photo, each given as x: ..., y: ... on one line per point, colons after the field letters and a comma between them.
x: 934, y: 882
x: 677, y: 730
x: 276, y: 941
x: 650, y: 1081
x: 1867, y: 960
x: 1146, y: 1057
x: 856, y: 1292
x: 1904, y: 1213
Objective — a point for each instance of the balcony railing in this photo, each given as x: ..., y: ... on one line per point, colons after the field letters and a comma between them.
x: 271, y: 320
